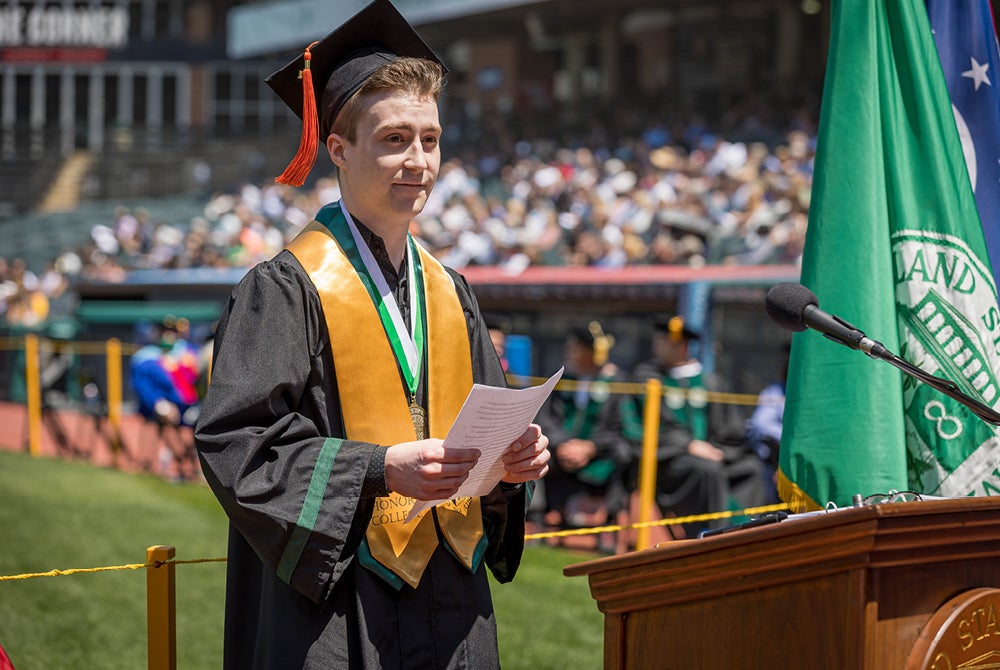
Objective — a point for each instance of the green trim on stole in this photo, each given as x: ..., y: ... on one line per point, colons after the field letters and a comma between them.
x: 365, y: 558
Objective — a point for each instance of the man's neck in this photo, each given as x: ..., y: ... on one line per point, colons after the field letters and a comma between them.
x: 392, y: 233
x: 394, y: 241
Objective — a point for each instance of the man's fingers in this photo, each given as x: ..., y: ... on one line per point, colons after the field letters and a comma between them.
x: 529, y: 464
x: 538, y: 445
x: 529, y: 436
x: 459, y: 455
x: 446, y: 471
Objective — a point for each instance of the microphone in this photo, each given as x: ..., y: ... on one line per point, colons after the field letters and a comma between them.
x: 794, y: 307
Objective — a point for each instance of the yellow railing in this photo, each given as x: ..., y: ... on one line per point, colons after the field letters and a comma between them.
x: 161, y: 599
x: 647, y: 462
x: 161, y: 609
x: 33, y: 346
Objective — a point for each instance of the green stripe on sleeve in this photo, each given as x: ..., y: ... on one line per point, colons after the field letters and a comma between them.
x: 310, y: 508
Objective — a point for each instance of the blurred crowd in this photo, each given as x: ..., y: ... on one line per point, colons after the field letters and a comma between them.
x: 169, y: 375
x: 27, y: 298
x: 655, y: 196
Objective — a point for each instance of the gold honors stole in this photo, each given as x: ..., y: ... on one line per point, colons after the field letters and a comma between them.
x: 374, y: 404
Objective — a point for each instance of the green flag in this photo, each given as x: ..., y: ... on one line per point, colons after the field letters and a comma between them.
x: 895, y: 247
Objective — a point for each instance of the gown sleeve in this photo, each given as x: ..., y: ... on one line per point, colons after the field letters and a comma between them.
x: 269, y: 432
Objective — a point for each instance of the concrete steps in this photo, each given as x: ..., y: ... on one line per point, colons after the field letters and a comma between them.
x: 66, y: 189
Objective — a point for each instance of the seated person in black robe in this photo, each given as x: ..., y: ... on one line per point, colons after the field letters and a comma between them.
x: 339, y: 366
x: 697, y: 471
x: 583, y: 421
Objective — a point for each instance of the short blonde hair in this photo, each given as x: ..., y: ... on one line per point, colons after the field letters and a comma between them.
x: 417, y: 76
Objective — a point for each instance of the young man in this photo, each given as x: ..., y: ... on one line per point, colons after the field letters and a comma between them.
x: 339, y: 366
x: 695, y: 475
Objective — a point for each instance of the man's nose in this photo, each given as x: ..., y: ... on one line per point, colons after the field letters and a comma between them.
x: 416, y: 158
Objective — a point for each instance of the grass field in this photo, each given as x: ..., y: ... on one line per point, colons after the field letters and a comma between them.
x: 63, y: 515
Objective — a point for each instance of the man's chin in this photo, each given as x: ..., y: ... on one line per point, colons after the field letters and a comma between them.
x: 412, y: 205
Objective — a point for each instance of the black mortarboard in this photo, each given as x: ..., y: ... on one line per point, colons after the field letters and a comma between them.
x: 582, y: 335
x: 335, y: 67
x: 676, y: 327
x: 594, y: 337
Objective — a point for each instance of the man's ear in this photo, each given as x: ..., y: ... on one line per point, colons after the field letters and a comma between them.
x: 335, y: 145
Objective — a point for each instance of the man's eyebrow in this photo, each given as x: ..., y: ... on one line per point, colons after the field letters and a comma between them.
x: 402, y: 125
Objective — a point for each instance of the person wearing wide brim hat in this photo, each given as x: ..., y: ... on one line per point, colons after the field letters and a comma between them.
x: 340, y: 365
x: 697, y: 473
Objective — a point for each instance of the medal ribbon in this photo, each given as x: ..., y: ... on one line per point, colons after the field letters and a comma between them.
x: 407, y: 346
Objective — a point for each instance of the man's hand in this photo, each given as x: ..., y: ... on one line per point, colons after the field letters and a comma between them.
x: 425, y: 470
x: 575, y: 453
x: 706, y: 450
x: 527, y: 458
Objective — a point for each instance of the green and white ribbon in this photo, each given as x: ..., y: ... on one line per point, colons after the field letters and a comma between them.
x: 407, y: 345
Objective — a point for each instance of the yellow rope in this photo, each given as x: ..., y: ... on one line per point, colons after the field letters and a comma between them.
x: 82, y: 348
x: 530, y: 536
x: 107, y: 568
x: 629, y: 388
x: 673, y: 521
x: 633, y: 388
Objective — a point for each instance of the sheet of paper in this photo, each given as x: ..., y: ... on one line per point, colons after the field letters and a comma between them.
x: 490, y: 420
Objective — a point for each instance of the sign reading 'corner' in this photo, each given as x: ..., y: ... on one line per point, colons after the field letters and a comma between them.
x: 63, y: 26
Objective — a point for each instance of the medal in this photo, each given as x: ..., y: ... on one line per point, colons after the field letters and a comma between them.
x: 419, y: 418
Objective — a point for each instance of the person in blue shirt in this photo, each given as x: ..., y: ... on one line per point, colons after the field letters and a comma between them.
x: 764, y: 428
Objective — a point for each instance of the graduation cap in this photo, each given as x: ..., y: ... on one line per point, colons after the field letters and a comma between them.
x: 594, y: 337
x: 333, y: 68
x: 676, y: 328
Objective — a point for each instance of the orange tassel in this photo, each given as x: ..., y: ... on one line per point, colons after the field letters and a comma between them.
x: 300, y: 167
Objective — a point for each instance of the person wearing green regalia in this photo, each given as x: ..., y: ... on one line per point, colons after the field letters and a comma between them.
x: 584, y: 423
x: 697, y: 473
x: 339, y: 366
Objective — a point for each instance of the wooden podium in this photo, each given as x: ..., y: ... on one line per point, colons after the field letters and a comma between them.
x: 901, y: 586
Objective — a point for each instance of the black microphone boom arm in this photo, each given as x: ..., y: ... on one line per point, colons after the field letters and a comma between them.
x: 945, y: 386
x: 794, y: 307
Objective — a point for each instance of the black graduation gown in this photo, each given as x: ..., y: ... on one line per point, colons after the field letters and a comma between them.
x: 561, y: 420
x: 270, y: 407
x: 687, y: 484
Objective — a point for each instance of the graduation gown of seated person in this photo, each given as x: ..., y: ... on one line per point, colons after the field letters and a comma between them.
x: 300, y: 495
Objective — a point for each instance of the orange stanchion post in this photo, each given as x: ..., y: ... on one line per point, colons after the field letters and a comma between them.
x: 161, y: 609
x: 113, y: 366
x: 33, y: 383
x: 647, y: 462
